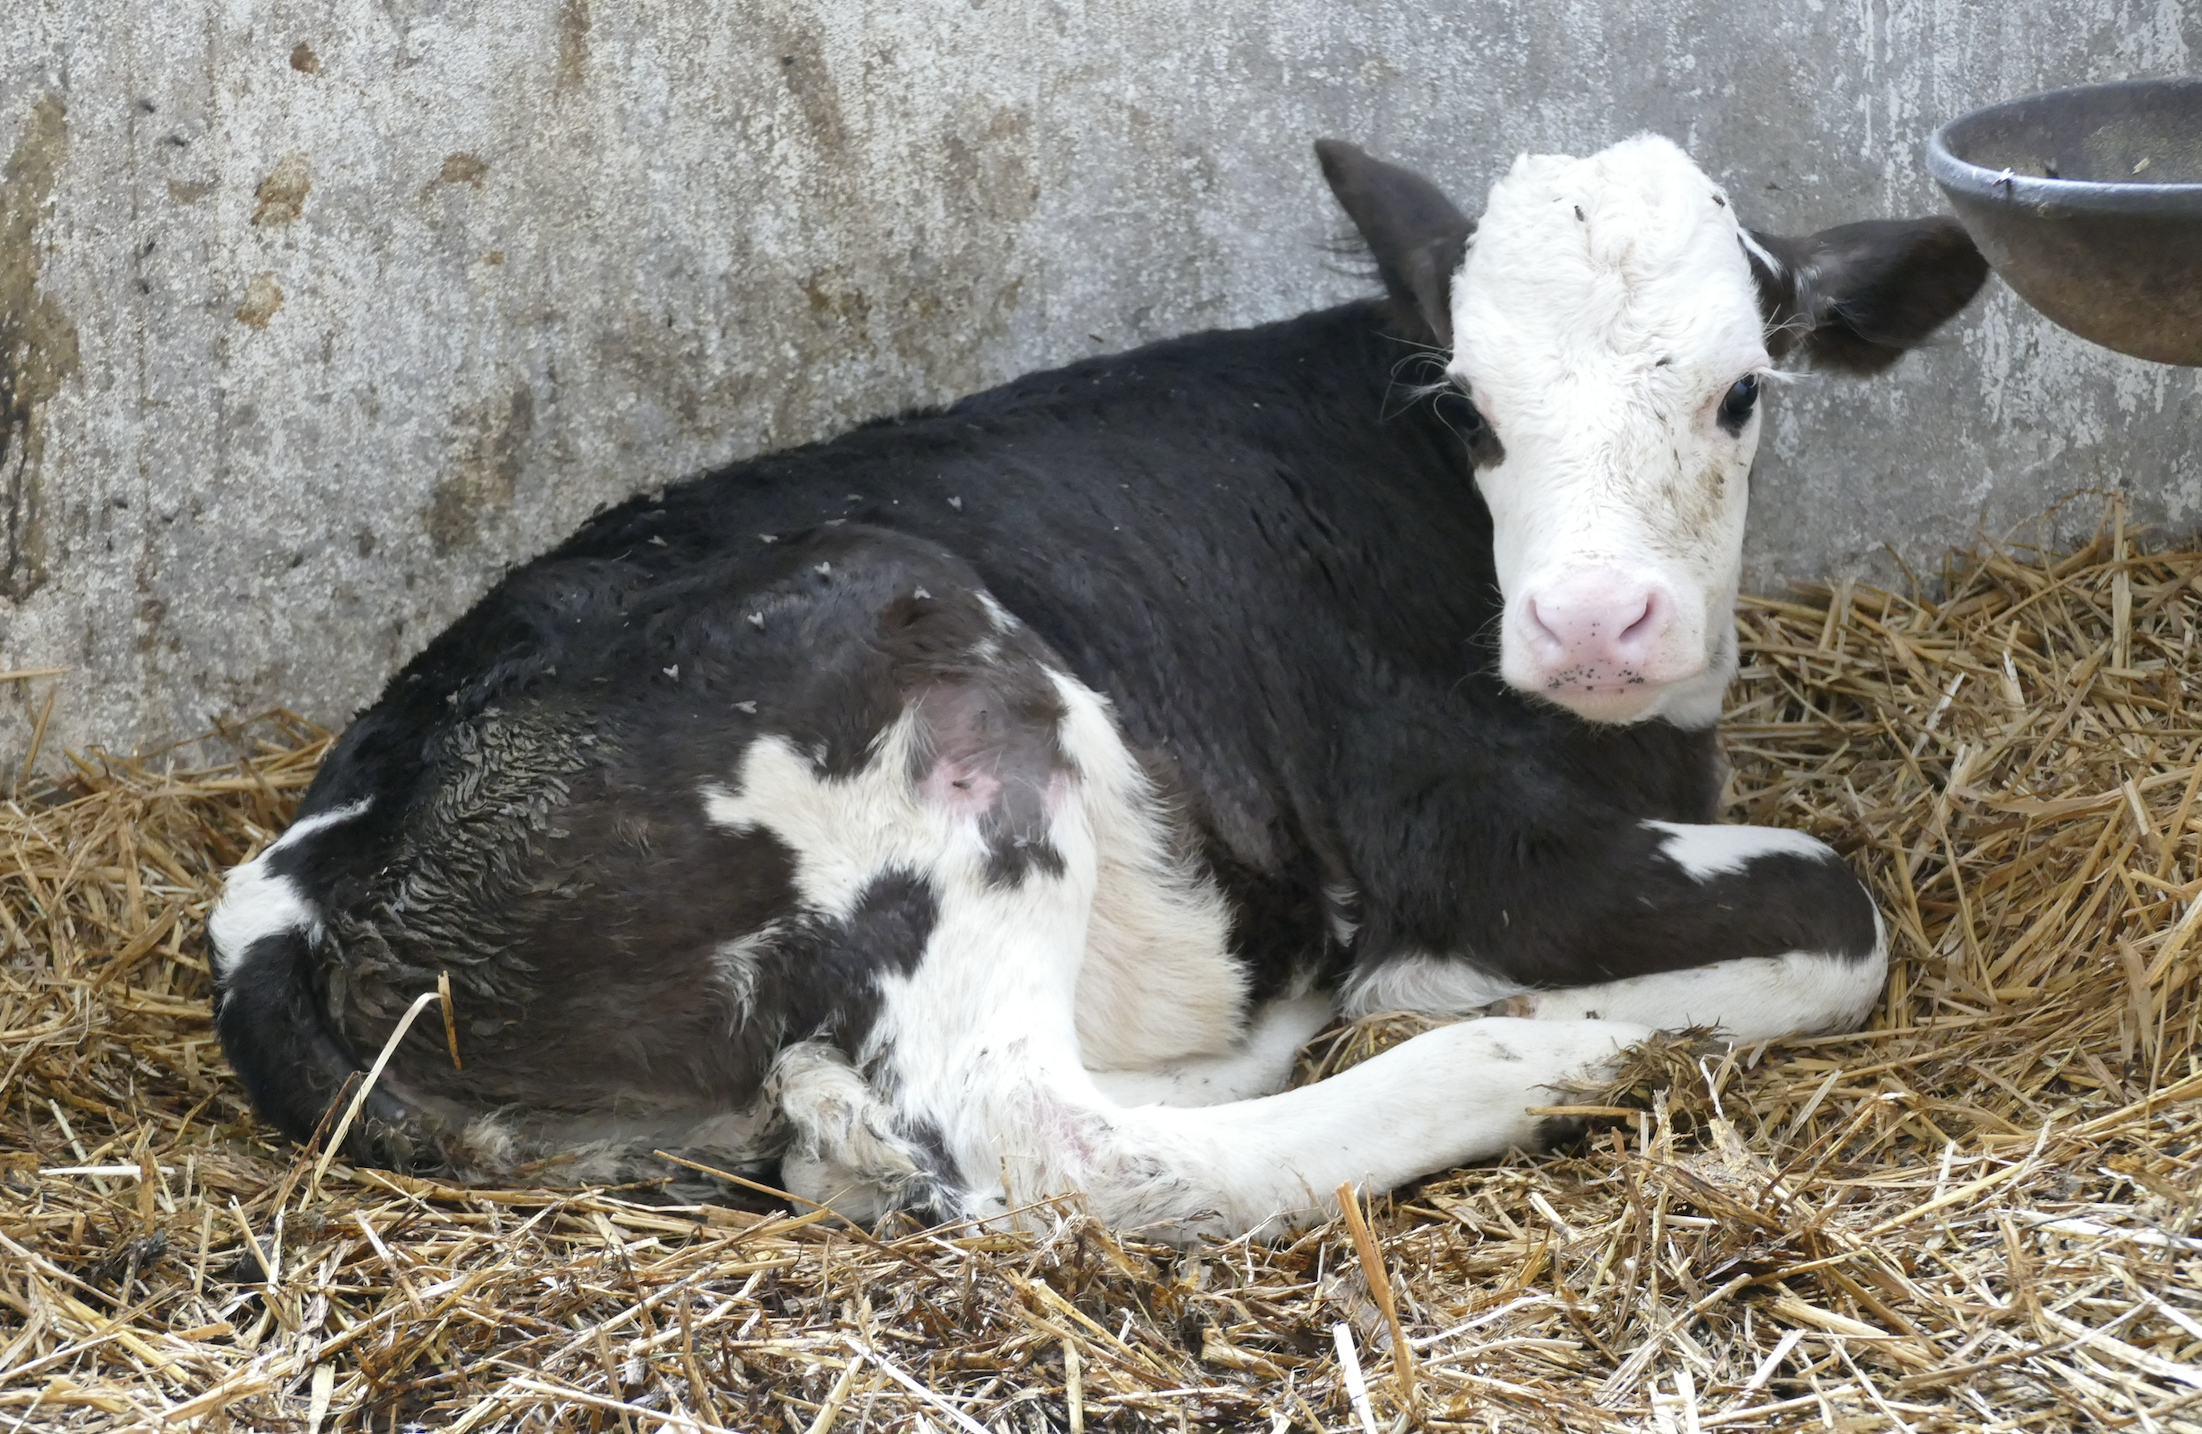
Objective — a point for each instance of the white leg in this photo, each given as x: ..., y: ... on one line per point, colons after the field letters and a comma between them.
x: 1753, y: 999
x: 1453, y: 1095
x: 845, y: 1151
x: 1450, y: 1096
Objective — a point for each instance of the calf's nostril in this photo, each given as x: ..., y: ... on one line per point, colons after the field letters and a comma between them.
x: 1542, y: 632
x: 1645, y: 626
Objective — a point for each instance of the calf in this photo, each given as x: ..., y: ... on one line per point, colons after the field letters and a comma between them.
x: 987, y: 803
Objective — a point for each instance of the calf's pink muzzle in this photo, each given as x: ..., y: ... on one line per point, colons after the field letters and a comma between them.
x: 1602, y: 640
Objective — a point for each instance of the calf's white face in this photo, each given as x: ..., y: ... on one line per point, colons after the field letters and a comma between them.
x: 1608, y: 330
x: 1611, y: 321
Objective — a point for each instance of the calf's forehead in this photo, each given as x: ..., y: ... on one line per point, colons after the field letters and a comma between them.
x: 1609, y: 268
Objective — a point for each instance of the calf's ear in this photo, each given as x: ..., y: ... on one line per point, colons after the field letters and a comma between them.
x: 1414, y: 231
x: 1855, y: 297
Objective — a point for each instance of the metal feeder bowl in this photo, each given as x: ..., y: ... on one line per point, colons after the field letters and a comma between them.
x: 2088, y: 202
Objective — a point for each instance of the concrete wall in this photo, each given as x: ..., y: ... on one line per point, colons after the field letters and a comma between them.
x: 314, y: 316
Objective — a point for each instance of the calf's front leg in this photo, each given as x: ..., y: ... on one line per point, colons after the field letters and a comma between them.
x: 1752, y: 932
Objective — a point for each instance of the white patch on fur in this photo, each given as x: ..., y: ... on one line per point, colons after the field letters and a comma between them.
x: 845, y: 832
x: 1753, y: 998
x: 1158, y: 983
x: 306, y: 826
x: 489, y: 1143
x: 1432, y: 985
x: 1601, y: 315
x: 998, y: 979
x: 1260, y: 1064
x: 256, y: 902
x: 1709, y: 850
x: 734, y: 967
x: 1004, y: 621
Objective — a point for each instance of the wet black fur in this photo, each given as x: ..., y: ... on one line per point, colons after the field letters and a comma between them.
x: 1279, y: 573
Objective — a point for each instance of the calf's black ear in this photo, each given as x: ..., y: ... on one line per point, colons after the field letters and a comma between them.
x: 1414, y: 231
x: 1855, y: 297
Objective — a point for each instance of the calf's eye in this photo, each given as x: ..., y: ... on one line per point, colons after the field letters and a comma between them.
x: 1460, y: 414
x: 1742, y: 397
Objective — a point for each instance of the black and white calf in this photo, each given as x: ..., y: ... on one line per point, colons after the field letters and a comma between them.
x: 987, y: 803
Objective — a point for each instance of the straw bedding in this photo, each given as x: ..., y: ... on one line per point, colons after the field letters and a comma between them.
x: 1973, y: 1215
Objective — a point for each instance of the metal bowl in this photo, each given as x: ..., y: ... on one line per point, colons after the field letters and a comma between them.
x: 2089, y: 203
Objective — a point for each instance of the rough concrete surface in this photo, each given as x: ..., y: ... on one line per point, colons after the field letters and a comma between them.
x: 314, y: 317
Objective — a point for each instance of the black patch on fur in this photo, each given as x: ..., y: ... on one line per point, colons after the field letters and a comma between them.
x: 825, y: 982
x: 937, y: 1193
x: 1785, y: 901
x: 1567, y: 897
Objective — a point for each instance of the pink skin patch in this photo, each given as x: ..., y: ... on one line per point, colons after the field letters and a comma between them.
x: 962, y: 785
x: 983, y: 760
x: 967, y: 787
x: 1078, y: 1132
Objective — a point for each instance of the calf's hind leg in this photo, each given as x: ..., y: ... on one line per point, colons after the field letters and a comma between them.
x: 974, y: 1059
